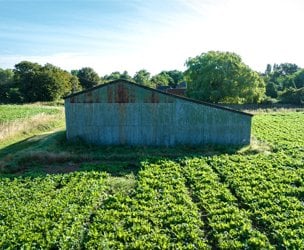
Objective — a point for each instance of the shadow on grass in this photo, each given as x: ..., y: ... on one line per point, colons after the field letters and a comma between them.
x: 13, y: 148
x: 51, y: 154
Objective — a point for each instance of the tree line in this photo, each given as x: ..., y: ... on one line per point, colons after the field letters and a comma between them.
x: 31, y: 82
x: 217, y: 77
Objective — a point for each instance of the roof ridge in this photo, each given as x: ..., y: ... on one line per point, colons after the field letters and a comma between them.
x: 161, y: 92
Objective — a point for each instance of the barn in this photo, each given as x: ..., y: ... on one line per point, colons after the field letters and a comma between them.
x: 125, y: 113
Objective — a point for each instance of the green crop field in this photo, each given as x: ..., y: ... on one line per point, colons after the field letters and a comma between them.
x: 19, y: 122
x: 9, y: 113
x: 181, y: 198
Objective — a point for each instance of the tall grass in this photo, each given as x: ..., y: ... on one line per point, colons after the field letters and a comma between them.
x: 18, y: 122
x: 9, y: 129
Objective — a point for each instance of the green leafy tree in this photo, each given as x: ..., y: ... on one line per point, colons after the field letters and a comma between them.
x: 142, y: 77
x: 284, y: 69
x: 14, y: 96
x: 74, y: 84
x: 6, y: 83
x: 177, y: 77
x: 288, y: 82
x: 293, y: 96
x: 168, y: 78
x: 271, y: 90
x: 223, y: 77
x: 6, y: 76
x: 47, y: 88
x: 42, y: 83
x: 56, y: 83
x: 299, y: 78
x: 25, y: 77
x: 268, y: 69
x: 74, y: 72
x: 117, y: 75
x: 281, y: 75
x: 162, y: 79
x: 112, y: 77
x: 3, y: 93
x: 88, y: 78
x: 283, y: 81
x: 125, y: 75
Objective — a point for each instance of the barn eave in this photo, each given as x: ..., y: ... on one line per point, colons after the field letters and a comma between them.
x: 158, y: 91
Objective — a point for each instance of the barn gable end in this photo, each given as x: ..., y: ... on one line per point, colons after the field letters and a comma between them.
x: 122, y: 112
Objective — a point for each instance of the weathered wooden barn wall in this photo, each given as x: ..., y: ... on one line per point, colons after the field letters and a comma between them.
x: 125, y: 113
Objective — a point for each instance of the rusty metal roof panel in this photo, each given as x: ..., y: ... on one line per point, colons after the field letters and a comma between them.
x: 123, y: 91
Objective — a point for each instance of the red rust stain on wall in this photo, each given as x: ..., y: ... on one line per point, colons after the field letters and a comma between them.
x: 110, y: 94
x: 131, y: 96
x: 154, y: 98
x: 122, y: 95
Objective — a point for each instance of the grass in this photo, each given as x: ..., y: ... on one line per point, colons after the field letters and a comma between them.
x: 267, y: 108
x: 10, y: 113
x: 37, y: 144
x: 140, y: 192
x: 256, y: 146
x: 50, y: 152
x: 18, y: 122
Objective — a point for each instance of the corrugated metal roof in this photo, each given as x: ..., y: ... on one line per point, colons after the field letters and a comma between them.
x: 158, y: 91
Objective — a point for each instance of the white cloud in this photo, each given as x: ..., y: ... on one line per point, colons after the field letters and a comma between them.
x: 260, y: 31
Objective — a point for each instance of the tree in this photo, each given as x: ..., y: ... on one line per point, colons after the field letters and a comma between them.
x: 293, y: 96
x: 283, y: 81
x: 42, y: 83
x: 168, y: 78
x: 268, y: 69
x: 177, y: 77
x: 6, y: 83
x: 6, y: 76
x: 25, y: 78
x: 162, y: 79
x: 281, y: 75
x: 88, y: 78
x: 285, y: 69
x: 223, y: 77
x: 271, y: 90
x: 112, y: 77
x: 55, y: 83
x: 74, y: 72
x: 299, y: 78
x: 74, y: 85
x: 117, y: 75
x: 125, y: 75
x: 142, y: 77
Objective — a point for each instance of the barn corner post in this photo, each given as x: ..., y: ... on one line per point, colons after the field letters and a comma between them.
x: 66, y: 113
x: 122, y: 112
x: 248, y: 142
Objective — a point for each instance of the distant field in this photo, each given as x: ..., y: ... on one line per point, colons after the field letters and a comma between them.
x: 156, y: 198
x: 9, y: 113
x: 20, y: 121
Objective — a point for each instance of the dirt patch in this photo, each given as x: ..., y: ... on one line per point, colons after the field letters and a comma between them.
x: 61, y: 169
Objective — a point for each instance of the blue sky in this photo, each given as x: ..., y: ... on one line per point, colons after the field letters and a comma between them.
x: 156, y: 35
